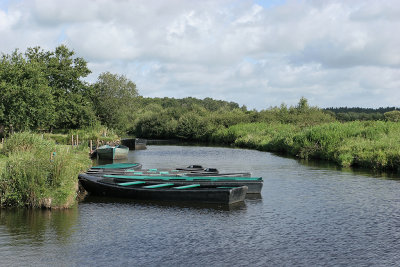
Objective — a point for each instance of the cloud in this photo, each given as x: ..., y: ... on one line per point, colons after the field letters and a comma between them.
x: 256, y: 53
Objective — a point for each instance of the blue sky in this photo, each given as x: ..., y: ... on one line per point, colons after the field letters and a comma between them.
x: 257, y: 53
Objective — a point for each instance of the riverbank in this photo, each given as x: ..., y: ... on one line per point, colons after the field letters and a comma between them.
x: 371, y: 144
x: 35, y: 172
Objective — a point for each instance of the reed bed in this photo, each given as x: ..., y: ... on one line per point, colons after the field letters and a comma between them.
x: 369, y: 144
x: 35, y: 172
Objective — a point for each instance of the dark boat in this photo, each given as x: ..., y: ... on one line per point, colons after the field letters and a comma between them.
x: 149, y: 190
x: 140, y: 144
x: 191, y: 168
x: 112, y: 152
x: 134, y: 143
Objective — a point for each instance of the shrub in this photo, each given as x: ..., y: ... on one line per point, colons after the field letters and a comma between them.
x: 38, y: 173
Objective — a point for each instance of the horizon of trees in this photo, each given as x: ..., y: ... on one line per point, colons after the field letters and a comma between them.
x: 45, y: 91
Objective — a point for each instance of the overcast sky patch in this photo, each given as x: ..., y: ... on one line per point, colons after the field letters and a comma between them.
x: 258, y: 53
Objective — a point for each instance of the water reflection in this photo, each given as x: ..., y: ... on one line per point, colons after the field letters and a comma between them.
x: 32, y: 225
x: 163, y: 204
x: 321, y: 164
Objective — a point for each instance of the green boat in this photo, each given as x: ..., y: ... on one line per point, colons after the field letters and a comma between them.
x: 160, y: 191
x: 254, y: 184
x: 130, y: 172
x: 112, y: 152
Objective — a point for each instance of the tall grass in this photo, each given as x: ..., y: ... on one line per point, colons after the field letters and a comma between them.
x: 38, y: 173
x: 370, y: 144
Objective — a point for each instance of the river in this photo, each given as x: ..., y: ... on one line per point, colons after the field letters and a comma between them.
x: 309, y: 214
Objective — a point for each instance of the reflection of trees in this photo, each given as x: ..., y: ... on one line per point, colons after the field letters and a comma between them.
x: 32, y: 225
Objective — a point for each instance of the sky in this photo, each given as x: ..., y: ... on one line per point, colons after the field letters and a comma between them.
x: 257, y: 53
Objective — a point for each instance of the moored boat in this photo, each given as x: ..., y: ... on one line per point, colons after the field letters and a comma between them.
x: 192, y: 170
x: 114, y: 168
x: 170, y: 191
x: 182, y: 176
x: 254, y: 184
x: 112, y: 152
x: 140, y: 144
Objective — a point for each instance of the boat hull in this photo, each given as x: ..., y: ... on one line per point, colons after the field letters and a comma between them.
x: 97, y: 186
x: 254, y: 185
x: 119, y: 152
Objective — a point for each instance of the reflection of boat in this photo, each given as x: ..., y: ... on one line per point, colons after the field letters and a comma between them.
x: 166, y: 204
x: 160, y: 190
x: 112, y: 152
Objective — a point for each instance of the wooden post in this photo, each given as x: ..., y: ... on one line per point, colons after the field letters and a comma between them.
x: 91, y: 146
x: 77, y: 140
x: 72, y: 140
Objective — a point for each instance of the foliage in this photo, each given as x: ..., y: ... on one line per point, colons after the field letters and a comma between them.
x: 64, y: 72
x: 25, y: 97
x: 359, y: 114
x: 302, y: 115
x: 371, y: 144
x: 97, y: 133
x: 113, y: 98
x: 38, y: 173
x: 193, y: 126
x: 155, y: 125
x: 43, y: 90
x: 392, y: 115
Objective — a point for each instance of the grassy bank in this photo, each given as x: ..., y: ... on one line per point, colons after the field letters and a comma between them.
x: 35, y: 172
x: 371, y: 144
x: 96, y: 134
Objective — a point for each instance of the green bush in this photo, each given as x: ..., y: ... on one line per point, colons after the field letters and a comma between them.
x: 39, y: 173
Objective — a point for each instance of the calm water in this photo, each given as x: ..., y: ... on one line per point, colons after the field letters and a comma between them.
x: 308, y: 215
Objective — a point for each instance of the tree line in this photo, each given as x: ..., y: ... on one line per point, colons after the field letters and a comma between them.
x: 46, y: 91
x: 360, y: 114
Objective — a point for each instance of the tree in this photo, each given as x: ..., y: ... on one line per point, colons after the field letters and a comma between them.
x: 392, y: 116
x: 114, y: 97
x: 302, y: 106
x: 26, y: 99
x: 72, y: 96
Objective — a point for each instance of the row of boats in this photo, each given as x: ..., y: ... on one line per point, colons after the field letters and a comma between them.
x: 190, y: 184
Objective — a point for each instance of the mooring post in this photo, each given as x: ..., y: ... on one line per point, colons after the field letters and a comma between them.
x: 72, y: 140
x: 77, y: 140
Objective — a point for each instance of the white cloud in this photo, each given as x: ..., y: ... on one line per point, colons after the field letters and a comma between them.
x: 335, y: 53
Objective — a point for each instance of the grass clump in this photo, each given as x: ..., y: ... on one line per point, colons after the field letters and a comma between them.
x: 38, y: 173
